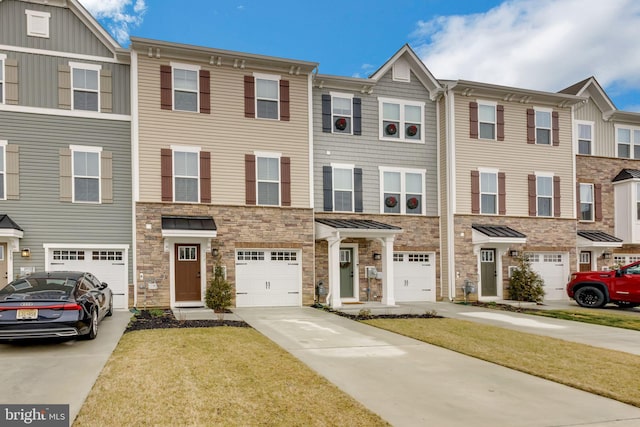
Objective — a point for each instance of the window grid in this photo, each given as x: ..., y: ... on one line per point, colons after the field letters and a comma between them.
x: 418, y: 257
x: 628, y: 142
x: 106, y: 255
x: 187, y: 253
x: 544, y: 189
x: 343, y: 189
x: 487, y: 256
x: 398, y: 257
x: 586, y: 202
x: 402, y: 192
x: 341, y: 114
x: 532, y: 257
x: 401, y: 120
x: 250, y: 256
x: 487, y: 121
x: 268, y: 180
x: 585, y: 257
x: 488, y: 193
x: 185, y: 89
x: 585, y: 132
x: 556, y: 258
x: 85, y: 85
x: 267, y: 98
x: 67, y: 255
x: 186, y: 173
x: 284, y: 256
x: 543, y: 127
x: 86, y: 176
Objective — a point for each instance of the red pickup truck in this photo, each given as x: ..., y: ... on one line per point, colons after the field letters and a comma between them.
x: 597, y: 288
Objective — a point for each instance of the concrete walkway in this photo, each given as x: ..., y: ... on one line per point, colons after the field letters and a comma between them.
x: 410, y: 383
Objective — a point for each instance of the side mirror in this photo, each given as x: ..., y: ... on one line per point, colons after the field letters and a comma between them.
x: 618, y: 272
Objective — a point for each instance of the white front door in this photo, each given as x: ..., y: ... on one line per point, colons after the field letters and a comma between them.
x: 414, y: 276
x: 553, y: 267
x: 268, y: 278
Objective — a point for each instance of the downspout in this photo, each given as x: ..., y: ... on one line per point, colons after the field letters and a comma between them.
x: 451, y: 193
x: 134, y: 168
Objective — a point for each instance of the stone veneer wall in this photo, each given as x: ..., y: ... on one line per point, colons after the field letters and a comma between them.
x: 420, y: 234
x: 237, y: 227
x: 602, y: 170
x: 543, y: 234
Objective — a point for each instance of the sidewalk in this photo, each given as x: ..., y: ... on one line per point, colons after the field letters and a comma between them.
x: 410, y: 383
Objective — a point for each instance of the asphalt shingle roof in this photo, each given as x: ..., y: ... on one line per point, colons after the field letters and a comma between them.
x: 627, y: 174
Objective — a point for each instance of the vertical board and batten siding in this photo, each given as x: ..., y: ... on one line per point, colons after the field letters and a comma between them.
x: 67, y: 33
x: 603, y: 142
x: 368, y: 152
x: 514, y: 157
x: 39, y: 211
x: 38, y: 81
x: 225, y: 132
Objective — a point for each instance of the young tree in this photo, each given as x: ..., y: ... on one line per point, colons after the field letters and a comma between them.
x: 525, y: 284
x: 219, y: 292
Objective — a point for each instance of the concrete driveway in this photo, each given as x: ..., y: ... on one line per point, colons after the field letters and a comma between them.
x: 410, y: 383
x: 58, y: 372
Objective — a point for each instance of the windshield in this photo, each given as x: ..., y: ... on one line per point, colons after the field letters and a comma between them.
x: 45, y: 288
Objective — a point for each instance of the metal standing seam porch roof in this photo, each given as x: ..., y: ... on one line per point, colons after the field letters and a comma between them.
x: 593, y: 238
x: 366, y: 228
x: 496, y: 234
x: 188, y: 226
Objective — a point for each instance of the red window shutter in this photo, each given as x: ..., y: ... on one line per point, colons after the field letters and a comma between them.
x: 475, y: 192
x: 473, y: 120
x: 166, y: 96
x: 205, y: 177
x: 533, y: 205
x: 556, y: 196
x: 531, y: 126
x: 555, y: 127
x: 166, y: 173
x: 285, y: 180
x: 250, y: 178
x: 249, y: 97
x: 284, y: 101
x: 500, y: 122
x: 502, y: 194
x: 205, y: 92
x: 597, y: 198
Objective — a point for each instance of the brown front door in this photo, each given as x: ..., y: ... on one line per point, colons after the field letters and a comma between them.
x: 585, y: 261
x: 4, y: 271
x: 187, y: 269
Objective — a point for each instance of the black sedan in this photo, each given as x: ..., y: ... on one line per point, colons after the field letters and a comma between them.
x: 54, y: 304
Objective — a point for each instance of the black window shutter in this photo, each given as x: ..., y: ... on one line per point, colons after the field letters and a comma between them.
x: 326, y: 113
x: 357, y: 116
x: 357, y: 189
x: 327, y: 185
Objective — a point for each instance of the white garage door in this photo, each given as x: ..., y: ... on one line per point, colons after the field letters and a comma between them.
x: 415, y: 276
x: 553, y: 267
x: 268, y: 278
x: 108, y: 265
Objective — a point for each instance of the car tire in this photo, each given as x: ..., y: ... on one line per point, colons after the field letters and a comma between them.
x: 93, y: 327
x: 590, y: 297
x: 624, y: 304
x: 110, y: 309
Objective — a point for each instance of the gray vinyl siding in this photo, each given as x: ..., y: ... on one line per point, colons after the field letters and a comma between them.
x: 67, y: 33
x: 39, y: 211
x: 368, y: 152
x: 38, y: 81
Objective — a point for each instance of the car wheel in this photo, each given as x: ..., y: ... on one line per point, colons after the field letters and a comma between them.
x: 624, y: 304
x: 110, y: 310
x: 590, y: 296
x: 93, y: 328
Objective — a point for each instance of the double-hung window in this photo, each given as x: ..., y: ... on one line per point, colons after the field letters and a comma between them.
x: 85, y: 86
x: 3, y: 170
x: 342, y: 113
x: 343, y: 188
x: 487, y: 120
x: 402, y: 191
x: 638, y: 201
x: 544, y: 195
x: 86, y: 174
x: 401, y: 120
x: 268, y: 179
x: 585, y: 137
x: 543, y: 126
x: 267, y: 96
x: 186, y: 174
x: 586, y: 202
x: 2, y: 84
x: 628, y: 142
x: 185, y: 87
x: 488, y: 192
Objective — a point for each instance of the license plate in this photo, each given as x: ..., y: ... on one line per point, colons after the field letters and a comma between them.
x: 25, y: 314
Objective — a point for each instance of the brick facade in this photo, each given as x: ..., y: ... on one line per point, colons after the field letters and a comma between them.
x: 237, y: 227
x: 419, y: 234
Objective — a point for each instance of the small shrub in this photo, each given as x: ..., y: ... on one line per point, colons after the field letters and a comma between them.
x: 219, y: 292
x: 364, y: 313
x: 156, y: 312
x: 525, y: 284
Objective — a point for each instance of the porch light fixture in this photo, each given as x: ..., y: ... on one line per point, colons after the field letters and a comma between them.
x: 513, y: 253
x: 26, y: 252
x: 215, y: 251
x: 606, y: 255
x: 377, y: 256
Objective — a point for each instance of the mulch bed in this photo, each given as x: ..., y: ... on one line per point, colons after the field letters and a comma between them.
x: 147, y: 319
x: 366, y: 314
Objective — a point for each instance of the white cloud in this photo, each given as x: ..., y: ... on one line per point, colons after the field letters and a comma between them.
x: 537, y: 44
x: 119, y: 16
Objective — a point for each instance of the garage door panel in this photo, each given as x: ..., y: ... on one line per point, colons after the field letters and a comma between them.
x: 414, y: 276
x: 108, y: 266
x: 267, y: 278
x: 553, y: 267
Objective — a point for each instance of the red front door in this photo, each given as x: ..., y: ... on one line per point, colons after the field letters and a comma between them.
x: 187, y: 271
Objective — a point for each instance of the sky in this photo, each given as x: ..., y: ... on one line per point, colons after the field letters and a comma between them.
x: 535, y: 44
